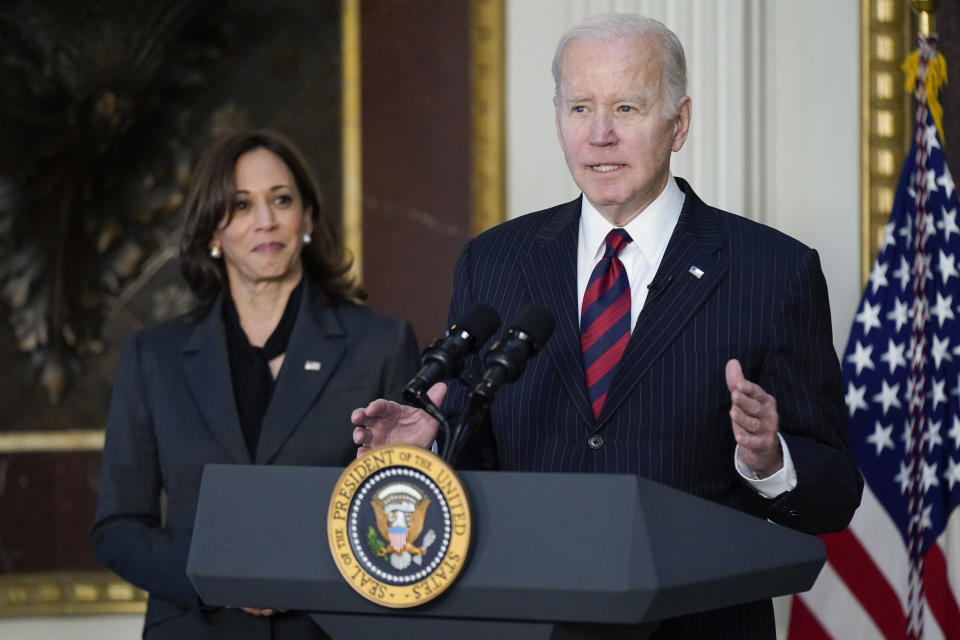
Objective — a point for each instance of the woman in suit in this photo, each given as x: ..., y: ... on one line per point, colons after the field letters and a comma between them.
x: 264, y: 371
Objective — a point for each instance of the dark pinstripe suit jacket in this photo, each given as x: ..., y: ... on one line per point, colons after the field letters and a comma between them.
x: 173, y: 411
x: 762, y: 299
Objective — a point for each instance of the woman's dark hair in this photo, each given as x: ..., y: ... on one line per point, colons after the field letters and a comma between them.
x: 211, y: 197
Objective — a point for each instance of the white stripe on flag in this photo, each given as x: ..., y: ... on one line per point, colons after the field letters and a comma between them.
x: 881, y: 539
x: 949, y: 541
x: 838, y: 612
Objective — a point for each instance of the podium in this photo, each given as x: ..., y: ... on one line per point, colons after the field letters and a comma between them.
x: 553, y: 556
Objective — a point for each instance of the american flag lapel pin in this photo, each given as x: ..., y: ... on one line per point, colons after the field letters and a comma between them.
x: 696, y: 271
x: 311, y: 365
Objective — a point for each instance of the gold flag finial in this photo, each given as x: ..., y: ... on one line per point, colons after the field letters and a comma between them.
x: 925, y: 10
x: 936, y: 75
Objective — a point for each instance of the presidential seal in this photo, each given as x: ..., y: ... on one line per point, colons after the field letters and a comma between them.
x: 399, y: 526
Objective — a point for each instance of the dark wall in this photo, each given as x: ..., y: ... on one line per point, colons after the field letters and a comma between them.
x: 416, y: 155
x: 948, y: 30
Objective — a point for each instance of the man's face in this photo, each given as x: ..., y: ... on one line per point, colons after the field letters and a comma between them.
x: 614, y: 126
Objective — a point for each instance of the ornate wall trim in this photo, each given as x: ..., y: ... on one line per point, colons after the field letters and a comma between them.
x: 886, y: 29
x: 488, y: 114
x: 68, y: 593
x: 351, y: 137
x: 50, y: 441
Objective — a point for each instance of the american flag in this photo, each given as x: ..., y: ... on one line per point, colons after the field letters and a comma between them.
x: 895, y: 571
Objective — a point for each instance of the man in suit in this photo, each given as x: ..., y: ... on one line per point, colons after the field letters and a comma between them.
x: 692, y: 347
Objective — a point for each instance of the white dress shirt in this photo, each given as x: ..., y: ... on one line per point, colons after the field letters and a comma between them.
x: 650, y: 232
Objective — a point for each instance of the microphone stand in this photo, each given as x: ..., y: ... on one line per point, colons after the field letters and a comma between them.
x: 424, y: 402
x: 477, y: 411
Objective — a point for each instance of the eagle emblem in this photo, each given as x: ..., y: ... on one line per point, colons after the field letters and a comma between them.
x: 400, y: 509
x: 399, y: 517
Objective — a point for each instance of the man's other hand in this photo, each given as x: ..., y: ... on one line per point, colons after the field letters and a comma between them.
x: 755, y: 423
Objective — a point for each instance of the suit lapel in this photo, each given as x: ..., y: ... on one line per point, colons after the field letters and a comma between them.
x: 311, y: 358
x: 550, y: 270
x: 694, y: 243
x: 206, y: 366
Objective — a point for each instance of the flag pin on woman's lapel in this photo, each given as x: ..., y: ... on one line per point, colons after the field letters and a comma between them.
x: 696, y: 271
x: 311, y: 365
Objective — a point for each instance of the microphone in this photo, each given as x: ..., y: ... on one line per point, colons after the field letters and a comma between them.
x: 443, y: 357
x: 506, y: 360
x: 529, y: 331
x: 656, y: 288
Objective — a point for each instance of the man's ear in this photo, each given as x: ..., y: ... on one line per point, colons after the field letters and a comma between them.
x: 556, y: 113
x: 681, y: 125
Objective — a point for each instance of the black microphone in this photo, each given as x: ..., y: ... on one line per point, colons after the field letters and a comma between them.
x: 506, y: 360
x: 656, y: 288
x: 443, y: 357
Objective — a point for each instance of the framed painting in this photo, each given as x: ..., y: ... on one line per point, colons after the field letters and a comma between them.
x: 107, y: 105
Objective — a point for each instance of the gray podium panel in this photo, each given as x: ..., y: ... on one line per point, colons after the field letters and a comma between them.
x: 547, y: 548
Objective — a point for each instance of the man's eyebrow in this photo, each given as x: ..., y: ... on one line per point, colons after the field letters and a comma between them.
x: 639, y: 99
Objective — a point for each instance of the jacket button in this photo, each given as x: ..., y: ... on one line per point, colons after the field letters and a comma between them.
x: 595, y: 442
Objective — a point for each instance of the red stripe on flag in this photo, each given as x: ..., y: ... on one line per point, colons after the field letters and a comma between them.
x: 610, y: 316
x: 939, y: 596
x: 867, y: 583
x: 803, y: 626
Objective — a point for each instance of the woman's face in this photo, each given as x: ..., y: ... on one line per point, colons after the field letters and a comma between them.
x: 262, y: 242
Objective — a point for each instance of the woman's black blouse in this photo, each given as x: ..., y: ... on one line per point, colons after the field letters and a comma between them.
x: 249, y: 365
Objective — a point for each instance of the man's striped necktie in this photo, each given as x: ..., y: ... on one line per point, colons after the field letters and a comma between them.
x: 605, y: 319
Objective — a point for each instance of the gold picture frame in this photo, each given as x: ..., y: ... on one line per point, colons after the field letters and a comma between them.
x: 886, y: 37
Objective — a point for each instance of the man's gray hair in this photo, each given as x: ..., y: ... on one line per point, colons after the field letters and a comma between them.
x: 633, y: 25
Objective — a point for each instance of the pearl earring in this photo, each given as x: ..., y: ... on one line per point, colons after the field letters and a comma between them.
x: 307, y: 238
x: 215, y: 252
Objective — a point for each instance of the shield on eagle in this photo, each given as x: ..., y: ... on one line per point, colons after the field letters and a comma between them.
x: 398, y: 530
